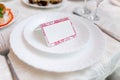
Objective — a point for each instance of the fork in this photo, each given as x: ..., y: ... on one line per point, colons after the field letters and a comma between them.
x: 4, y: 51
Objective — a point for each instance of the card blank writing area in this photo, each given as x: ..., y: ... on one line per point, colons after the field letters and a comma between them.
x: 59, y: 31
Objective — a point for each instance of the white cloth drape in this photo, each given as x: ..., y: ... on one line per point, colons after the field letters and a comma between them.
x: 99, y: 71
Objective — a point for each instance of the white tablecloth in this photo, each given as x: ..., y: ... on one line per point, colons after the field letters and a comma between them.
x: 108, y: 63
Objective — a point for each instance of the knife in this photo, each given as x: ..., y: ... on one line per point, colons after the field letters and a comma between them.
x: 111, y: 34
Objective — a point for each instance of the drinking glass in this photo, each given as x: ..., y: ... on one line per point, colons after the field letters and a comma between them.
x: 94, y: 16
x: 83, y: 11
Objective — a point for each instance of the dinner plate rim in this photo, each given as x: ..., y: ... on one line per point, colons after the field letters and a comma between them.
x: 76, y: 67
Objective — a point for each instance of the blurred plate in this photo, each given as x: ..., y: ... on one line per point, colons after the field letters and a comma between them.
x: 15, y: 16
x: 36, y: 40
x: 91, y: 54
x: 37, y: 6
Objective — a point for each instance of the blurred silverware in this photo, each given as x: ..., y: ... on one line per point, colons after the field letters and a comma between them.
x: 4, y: 51
x: 111, y: 34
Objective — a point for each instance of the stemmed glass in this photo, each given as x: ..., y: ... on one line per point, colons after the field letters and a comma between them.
x: 87, y: 12
x: 94, y: 16
x: 84, y: 10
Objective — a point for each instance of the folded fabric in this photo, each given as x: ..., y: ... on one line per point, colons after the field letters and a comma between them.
x: 4, y: 70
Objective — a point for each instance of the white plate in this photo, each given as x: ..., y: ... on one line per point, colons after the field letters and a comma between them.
x: 115, y: 2
x: 15, y: 14
x: 37, y: 6
x: 37, y: 41
x: 58, y: 63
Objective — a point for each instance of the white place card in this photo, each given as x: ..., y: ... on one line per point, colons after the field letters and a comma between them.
x: 58, y: 31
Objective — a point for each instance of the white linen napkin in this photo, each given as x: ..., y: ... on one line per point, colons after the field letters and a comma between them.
x: 4, y: 70
x: 96, y: 72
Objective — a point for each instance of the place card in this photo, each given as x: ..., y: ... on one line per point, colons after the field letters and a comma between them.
x: 58, y: 31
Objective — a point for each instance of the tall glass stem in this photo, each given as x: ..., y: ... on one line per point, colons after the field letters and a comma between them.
x: 86, y: 10
x: 95, y: 16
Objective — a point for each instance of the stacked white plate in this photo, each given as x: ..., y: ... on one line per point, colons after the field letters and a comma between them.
x: 76, y: 54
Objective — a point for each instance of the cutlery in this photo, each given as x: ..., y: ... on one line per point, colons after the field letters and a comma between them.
x: 4, y: 51
x: 111, y: 34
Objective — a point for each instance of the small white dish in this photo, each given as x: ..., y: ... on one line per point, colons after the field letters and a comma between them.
x: 15, y: 16
x: 91, y: 54
x: 37, y: 6
x: 36, y: 40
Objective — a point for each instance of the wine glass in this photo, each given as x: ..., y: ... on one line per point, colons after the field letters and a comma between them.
x: 84, y: 10
x: 94, y: 16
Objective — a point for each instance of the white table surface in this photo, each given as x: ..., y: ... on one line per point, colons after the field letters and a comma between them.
x: 108, y: 63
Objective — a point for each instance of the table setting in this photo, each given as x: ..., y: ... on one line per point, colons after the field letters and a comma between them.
x: 46, y: 40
